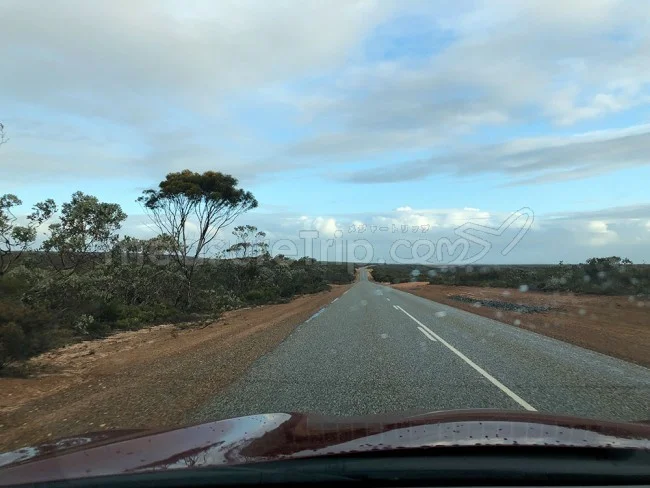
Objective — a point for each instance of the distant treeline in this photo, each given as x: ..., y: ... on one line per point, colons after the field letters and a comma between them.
x: 609, y: 275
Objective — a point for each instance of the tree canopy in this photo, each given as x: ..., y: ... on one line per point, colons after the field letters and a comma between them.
x: 192, y: 208
x: 86, y: 226
x: 15, y: 239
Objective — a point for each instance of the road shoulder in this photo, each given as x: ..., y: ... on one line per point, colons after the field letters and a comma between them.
x: 145, y: 379
x: 612, y: 325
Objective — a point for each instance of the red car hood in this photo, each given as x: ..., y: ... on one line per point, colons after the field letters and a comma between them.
x: 279, y: 436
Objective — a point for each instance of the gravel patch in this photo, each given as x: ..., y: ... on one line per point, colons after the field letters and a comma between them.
x: 513, y: 307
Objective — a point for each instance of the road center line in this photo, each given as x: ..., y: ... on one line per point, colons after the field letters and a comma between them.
x: 429, y: 336
x: 485, y: 374
x: 388, y: 299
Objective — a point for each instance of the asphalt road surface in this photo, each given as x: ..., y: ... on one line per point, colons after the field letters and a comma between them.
x: 378, y: 350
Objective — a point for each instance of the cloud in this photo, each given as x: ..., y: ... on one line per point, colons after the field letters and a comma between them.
x: 507, y: 63
x: 193, y: 54
x: 570, y: 236
x: 533, y: 160
x: 611, y: 214
x: 599, y: 233
x: 136, y: 89
x: 122, y: 87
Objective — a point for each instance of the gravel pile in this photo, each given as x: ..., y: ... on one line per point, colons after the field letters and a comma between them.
x: 513, y: 307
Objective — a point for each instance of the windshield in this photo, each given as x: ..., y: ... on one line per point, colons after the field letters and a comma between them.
x: 212, y: 210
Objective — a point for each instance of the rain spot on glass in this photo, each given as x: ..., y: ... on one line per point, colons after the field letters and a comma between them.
x: 586, y: 278
x: 640, y: 304
x: 523, y: 288
x: 601, y: 274
x: 432, y: 273
x: 441, y: 314
x: 384, y: 336
x: 505, y: 293
x: 517, y: 322
x: 476, y: 304
x: 499, y: 314
x: 469, y: 269
x: 415, y: 272
x: 630, y: 298
x: 363, y: 303
x: 582, y: 312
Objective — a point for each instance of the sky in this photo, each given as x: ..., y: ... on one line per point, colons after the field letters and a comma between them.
x: 385, y: 126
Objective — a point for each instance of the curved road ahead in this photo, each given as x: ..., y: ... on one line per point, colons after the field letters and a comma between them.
x: 378, y: 350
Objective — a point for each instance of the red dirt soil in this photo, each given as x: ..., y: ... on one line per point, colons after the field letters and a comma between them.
x: 613, y: 325
x: 150, y: 378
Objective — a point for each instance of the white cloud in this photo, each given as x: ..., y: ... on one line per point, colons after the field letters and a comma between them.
x: 191, y: 52
x: 326, y: 227
x: 532, y: 160
x: 135, y: 89
x: 141, y: 88
x: 570, y: 236
x: 597, y: 226
x: 599, y: 234
x: 508, y: 63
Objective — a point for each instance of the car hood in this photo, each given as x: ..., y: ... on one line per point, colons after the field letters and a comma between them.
x: 280, y: 436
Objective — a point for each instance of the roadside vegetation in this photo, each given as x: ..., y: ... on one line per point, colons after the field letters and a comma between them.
x: 66, y: 274
x: 399, y: 273
x: 607, y: 276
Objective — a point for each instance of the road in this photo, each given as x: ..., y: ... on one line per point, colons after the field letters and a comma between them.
x: 377, y: 350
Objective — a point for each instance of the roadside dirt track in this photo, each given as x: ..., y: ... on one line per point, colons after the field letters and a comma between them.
x: 150, y: 378
x: 613, y: 325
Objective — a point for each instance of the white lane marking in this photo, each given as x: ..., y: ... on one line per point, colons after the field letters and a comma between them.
x: 395, y: 307
x: 388, y: 299
x: 429, y: 336
x: 315, y: 315
x: 335, y: 299
x: 485, y: 374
